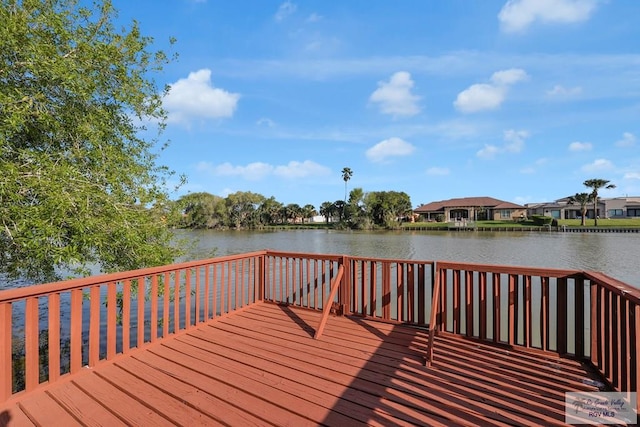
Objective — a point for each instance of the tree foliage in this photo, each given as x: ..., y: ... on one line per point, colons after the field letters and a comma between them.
x: 79, y: 185
x: 596, y: 184
x: 582, y: 199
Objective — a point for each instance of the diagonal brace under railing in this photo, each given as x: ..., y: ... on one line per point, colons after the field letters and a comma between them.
x: 326, y: 308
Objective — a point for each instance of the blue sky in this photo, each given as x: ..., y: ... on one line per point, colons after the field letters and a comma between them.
x: 520, y: 100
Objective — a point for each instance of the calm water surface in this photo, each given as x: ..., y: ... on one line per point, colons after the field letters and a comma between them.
x: 615, y: 254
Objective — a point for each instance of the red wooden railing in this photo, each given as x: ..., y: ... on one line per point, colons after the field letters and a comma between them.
x: 571, y: 313
x: 84, y: 321
x: 585, y: 315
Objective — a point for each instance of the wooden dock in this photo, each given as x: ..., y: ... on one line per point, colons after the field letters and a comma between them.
x: 261, y: 366
x: 276, y: 338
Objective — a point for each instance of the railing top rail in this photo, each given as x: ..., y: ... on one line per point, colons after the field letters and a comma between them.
x: 10, y: 295
x: 614, y: 285
x: 285, y: 254
x: 508, y: 269
x: 405, y: 261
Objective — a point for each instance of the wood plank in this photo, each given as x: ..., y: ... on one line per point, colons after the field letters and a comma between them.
x: 82, y: 407
x: 13, y: 416
x: 43, y: 410
x: 133, y: 412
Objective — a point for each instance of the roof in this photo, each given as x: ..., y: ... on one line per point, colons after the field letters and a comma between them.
x: 465, y: 202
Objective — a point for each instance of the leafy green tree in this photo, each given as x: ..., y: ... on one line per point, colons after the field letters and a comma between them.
x: 270, y: 211
x: 582, y: 199
x: 80, y: 185
x: 242, y: 208
x: 202, y: 210
x: 347, y: 173
x: 386, y: 208
x: 596, y: 184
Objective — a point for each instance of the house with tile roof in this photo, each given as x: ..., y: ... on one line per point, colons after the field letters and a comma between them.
x: 472, y: 209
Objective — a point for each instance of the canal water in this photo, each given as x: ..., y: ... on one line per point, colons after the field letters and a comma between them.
x: 615, y: 254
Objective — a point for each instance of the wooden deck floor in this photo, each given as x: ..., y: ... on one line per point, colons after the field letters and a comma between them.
x: 261, y: 367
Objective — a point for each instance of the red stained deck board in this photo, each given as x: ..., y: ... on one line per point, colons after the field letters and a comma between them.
x: 261, y: 366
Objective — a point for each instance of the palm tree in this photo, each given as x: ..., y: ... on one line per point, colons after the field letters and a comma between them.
x: 583, y: 200
x: 596, y: 184
x: 346, y: 176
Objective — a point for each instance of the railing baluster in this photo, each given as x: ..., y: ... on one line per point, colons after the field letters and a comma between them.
x: 197, y: 296
x: 561, y: 316
x: 207, y: 293
x: 94, y: 325
x: 422, y: 294
x: 495, y: 279
x: 411, y: 294
x: 165, y: 304
x: 468, y: 302
x: 513, y: 309
x: 126, y: 316
x: 483, y: 304
x: 400, y: 292
x: 187, y: 298
x: 456, y: 300
x: 386, y: 290
x: 6, y: 371
x: 373, y: 308
x: 76, y: 330
x: 528, y: 312
x: 111, y: 320
x: 54, y: 338
x: 176, y: 301
x: 544, y: 313
x: 141, y: 294
x: 579, y: 317
x: 31, y: 332
x: 154, y: 308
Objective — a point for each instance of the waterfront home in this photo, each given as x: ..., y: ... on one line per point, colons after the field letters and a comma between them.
x: 616, y: 207
x: 471, y: 209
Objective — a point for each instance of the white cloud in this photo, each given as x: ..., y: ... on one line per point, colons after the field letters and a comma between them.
x: 514, y: 140
x: 580, y: 146
x: 265, y: 122
x: 195, y: 97
x: 598, y: 165
x: 628, y: 140
x: 301, y: 170
x: 509, y: 77
x: 395, y: 97
x: 285, y: 10
x: 632, y: 175
x: 513, y: 143
x: 559, y: 91
x: 489, y: 96
x: 437, y: 171
x: 488, y: 151
x: 251, y: 172
x: 517, y: 15
x: 259, y: 170
x: 392, y: 147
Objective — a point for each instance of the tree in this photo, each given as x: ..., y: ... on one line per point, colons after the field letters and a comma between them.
x: 202, y: 210
x: 80, y: 185
x: 596, y: 184
x: 347, y: 173
x: 583, y: 199
x: 309, y: 211
x: 242, y: 208
x: 386, y: 208
x: 327, y: 210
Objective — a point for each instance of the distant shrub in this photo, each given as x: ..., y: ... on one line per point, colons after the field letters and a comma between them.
x: 541, y: 220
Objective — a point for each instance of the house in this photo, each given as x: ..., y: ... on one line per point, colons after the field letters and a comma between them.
x: 471, y: 208
x: 618, y: 207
